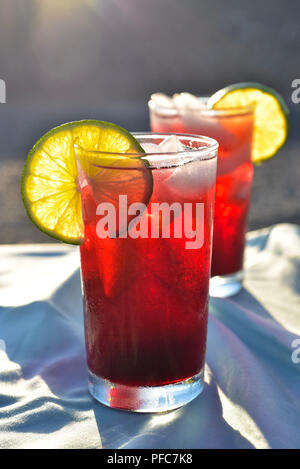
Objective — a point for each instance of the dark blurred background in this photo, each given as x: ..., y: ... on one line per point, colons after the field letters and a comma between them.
x: 65, y: 60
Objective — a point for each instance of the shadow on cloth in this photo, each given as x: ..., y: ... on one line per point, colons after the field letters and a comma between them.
x: 249, y: 355
x: 250, y: 370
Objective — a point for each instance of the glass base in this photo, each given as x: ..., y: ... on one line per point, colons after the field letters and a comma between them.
x: 148, y: 398
x: 224, y: 286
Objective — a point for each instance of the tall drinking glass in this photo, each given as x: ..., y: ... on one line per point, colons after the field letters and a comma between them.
x: 233, y: 129
x: 145, y: 266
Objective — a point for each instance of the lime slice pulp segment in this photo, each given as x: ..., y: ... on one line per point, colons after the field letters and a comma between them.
x: 270, y: 115
x: 49, y: 183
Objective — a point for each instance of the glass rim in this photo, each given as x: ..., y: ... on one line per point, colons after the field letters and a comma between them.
x: 175, y: 111
x: 209, y: 151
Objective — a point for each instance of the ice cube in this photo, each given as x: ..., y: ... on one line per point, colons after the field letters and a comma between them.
x: 155, y: 160
x: 171, y: 144
x: 151, y: 148
x: 192, y: 179
x: 162, y: 100
x: 187, y: 101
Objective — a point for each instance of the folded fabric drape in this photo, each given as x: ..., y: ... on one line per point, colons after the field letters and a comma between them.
x: 252, y: 395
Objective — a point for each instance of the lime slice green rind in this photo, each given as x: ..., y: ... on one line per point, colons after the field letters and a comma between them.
x: 247, y: 85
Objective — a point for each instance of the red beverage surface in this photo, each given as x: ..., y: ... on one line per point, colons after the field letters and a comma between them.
x: 146, y: 300
x: 234, y: 177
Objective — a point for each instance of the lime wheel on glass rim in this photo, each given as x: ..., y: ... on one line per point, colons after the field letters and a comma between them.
x: 49, y: 184
x: 271, y: 115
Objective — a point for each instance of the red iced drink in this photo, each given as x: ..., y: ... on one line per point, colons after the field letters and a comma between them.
x: 233, y: 130
x: 146, y: 298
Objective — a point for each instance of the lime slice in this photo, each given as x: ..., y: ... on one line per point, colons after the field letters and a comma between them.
x: 49, y: 185
x: 270, y: 115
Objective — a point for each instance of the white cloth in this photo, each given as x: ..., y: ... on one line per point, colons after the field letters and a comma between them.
x: 253, y: 379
